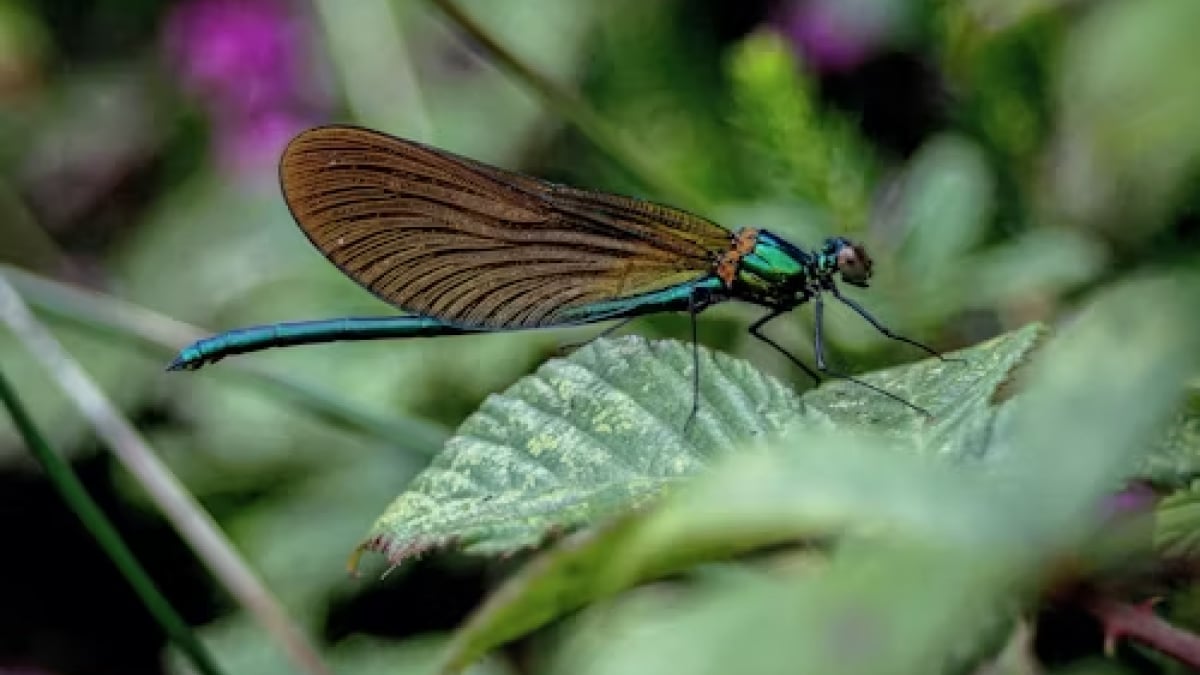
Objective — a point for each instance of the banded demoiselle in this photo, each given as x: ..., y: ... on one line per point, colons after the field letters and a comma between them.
x: 465, y: 247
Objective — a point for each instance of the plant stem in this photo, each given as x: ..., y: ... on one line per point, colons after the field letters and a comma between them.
x: 1140, y: 624
x: 578, y: 114
x: 188, y: 518
x: 75, y: 495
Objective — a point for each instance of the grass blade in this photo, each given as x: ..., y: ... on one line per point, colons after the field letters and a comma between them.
x: 129, y: 322
x: 78, y: 500
x: 188, y: 518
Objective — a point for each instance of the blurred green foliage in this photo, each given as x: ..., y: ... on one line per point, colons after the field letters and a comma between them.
x: 1005, y: 162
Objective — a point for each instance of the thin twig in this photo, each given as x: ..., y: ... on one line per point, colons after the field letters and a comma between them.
x: 192, y: 522
x: 1140, y: 624
x: 94, y: 520
x: 572, y: 109
x: 129, y: 322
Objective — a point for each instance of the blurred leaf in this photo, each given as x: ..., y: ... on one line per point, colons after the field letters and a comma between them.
x: 1018, y: 656
x: 235, y: 237
x: 1130, y: 116
x: 1000, y: 15
x: 239, y: 646
x: 1000, y: 70
x: 416, y: 656
x: 298, y: 540
x: 804, y: 223
x: 798, y: 150
x: 588, y: 436
x: 1045, y: 261
x: 1174, y: 456
x: 103, y: 123
x: 1100, y: 395
x: 1024, y: 277
x: 872, y: 610
x: 25, y: 47
x: 474, y: 107
x: 946, y: 207
x: 375, y: 65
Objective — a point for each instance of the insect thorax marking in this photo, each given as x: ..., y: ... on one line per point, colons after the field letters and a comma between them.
x: 741, y: 245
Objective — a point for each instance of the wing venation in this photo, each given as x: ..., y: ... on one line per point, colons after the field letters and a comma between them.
x: 464, y: 242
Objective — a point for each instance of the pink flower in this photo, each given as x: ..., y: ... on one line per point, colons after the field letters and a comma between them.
x: 252, y: 143
x: 835, y: 35
x: 244, y: 62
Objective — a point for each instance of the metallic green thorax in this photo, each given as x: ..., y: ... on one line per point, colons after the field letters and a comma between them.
x: 775, y: 273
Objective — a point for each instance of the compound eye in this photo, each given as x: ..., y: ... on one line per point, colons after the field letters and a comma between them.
x: 854, y: 265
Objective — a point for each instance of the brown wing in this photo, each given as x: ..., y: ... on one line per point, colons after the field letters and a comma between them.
x: 444, y: 236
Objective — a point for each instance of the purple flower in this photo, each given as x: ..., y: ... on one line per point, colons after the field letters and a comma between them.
x: 253, y: 143
x: 835, y: 35
x: 244, y: 61
x: 1137, y: 498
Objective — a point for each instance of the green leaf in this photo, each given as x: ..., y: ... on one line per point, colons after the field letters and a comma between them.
x: 602, y: 433
x: 1100, y: 395
x: 961, y: 394
x: 583, y: 438
x: 952, y: 528
x: 873, y: 609
x: 944, y: 555
x: 1177, y: 524
x: 808, y: 485
x: 946, y: 205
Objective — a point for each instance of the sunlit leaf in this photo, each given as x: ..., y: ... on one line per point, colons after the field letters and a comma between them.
x: 961, y: 393
x: 603, y: 432
x: 585, y: 437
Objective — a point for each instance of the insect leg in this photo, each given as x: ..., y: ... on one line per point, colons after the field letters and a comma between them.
x: 697, y: 302
x: 819, y: 347
x: 882, y: 328
x: 756, y: 330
